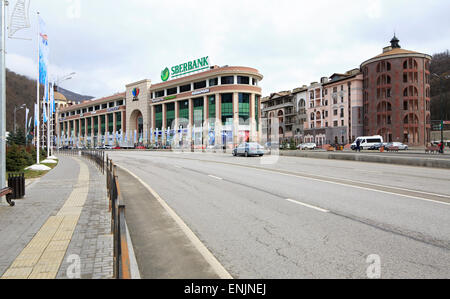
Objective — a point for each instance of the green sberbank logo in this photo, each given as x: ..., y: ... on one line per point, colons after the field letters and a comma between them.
x: 185, y: 68
x: 165, y: 75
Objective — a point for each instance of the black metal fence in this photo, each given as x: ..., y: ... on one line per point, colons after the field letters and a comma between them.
x: 98, y: 157
x: 118, y: 224
x: 116, y: 207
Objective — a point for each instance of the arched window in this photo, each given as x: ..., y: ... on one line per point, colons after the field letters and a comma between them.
x: 312, y: 116
x: 405, y: 65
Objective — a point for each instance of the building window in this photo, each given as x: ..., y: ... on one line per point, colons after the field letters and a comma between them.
x: 172, y: 91
x: 120, y: 103
x: 170, y: 115
x: 227, y: 108
x: 335, y: 123
x: 243, y: 80
x: 159, y: 117
x: 257, y: 112
x: 118, y: 121
x: 227, y: 80
x: 198, y: 111
x: 244, y: 108
x: 200, y: 85
x: 213, y: 82
x: 184, y: 113
x: 159, y: 94
x: 110, y: 123
x: 212, y: 110
x: 111, y: 105
x: 104, y: 106
x: 185, y: 88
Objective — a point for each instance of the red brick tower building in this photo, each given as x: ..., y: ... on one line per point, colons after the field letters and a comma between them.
x: 396, y: 95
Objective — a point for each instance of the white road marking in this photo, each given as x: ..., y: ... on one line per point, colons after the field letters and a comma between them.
x: 308, y: 206
x: 215, y: 177
x: 202, y: 249
x: 363, y: 188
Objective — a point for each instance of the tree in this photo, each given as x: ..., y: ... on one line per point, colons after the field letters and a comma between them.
x: 17, y: 138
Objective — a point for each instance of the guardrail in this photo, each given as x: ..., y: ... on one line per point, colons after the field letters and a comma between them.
x: 98, y: 157
x: 106, y: 166
x: 118, y: 225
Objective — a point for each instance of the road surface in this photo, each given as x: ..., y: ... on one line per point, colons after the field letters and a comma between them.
x: 306, y: 218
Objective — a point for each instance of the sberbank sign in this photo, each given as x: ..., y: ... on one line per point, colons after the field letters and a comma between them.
x: 185, y: 68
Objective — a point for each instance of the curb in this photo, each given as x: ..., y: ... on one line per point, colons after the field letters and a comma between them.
x: 405, y: 161
x: 201, y: 248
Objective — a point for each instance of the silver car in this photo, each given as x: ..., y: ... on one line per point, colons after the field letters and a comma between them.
x: 249, y: 149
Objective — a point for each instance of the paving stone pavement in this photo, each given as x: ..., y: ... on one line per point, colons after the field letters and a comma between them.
x: 91, y: 241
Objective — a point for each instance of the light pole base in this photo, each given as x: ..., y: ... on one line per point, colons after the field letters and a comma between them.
x: 38, y: 167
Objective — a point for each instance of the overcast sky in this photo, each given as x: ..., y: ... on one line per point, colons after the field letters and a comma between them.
x: 111, y: 43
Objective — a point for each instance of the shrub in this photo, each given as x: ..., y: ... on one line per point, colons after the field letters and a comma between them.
x: 17, y: 158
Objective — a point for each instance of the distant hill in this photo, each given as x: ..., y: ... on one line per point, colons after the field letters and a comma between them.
x: 22, y: 90
x: 440, y: 65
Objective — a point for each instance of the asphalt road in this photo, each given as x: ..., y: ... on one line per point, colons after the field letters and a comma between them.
x: 306, y: 218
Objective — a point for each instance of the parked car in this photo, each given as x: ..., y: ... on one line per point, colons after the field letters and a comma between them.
x: 377, y: 146
x: 399, y: 145
x: 116, y: 148
x: 249, y: 149
x: 307, y: 146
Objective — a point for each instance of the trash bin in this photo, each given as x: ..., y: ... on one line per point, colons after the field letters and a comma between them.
x: 17, y: 183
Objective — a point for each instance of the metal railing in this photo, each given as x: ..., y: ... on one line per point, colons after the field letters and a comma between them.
x: 118, y: 224
x: 116, y: 207
x: 98, y: 157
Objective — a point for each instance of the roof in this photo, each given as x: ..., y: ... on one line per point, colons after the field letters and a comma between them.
x: 59, y: 96
x: 396, y: 51
x: 95, y: 101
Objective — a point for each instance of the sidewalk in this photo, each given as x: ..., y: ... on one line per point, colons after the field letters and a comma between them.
x: 63, y: 225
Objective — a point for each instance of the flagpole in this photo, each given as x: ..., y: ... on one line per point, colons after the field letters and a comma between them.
x: 38, y: 141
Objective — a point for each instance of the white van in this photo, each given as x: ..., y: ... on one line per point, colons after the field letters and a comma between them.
x: 367, y: 142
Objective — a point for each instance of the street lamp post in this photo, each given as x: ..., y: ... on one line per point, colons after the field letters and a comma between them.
x: 15, y: 111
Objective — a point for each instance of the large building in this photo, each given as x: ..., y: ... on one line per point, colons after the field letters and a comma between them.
x: 216, y: 106
x: 289, y: 107
x: 389, y: 95
x: 397, y: 95
x: 335, y: 109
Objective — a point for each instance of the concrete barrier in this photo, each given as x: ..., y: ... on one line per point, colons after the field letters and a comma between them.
x: 432, y: 162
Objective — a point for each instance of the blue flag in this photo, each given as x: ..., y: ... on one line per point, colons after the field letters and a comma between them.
x: 43, y: 52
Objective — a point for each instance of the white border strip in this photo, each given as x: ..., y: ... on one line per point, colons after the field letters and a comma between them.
x: 209, y: 257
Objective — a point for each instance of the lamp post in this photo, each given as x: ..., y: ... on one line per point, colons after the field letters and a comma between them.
x: 15, y: 111
x: 442, y: 104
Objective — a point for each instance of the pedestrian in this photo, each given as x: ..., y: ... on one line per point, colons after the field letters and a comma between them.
x: 358, y: 145
x: 441, y: 147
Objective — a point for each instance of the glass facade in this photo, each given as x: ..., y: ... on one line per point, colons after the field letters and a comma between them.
x: 227, y: 109
x: 110, y: 123
x: 184, y: 113
x: 212, y: 110
x: 257, y: 112
x: 158, y: 117
x: 244, y: 108
x: 83, y: 127
x: 89, y: 124
x: 95, y: 125
x: 118, y: 121
x: 103, y: 124
x: 198, y: 112
x: 170, y: 115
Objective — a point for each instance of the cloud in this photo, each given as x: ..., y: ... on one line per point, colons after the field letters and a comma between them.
x: 109, y: 44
